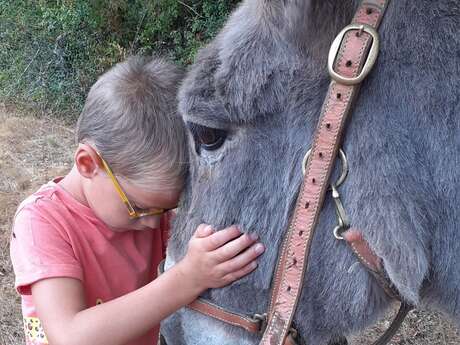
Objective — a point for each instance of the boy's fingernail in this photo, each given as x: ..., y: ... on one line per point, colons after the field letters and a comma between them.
x: 209, y: 228
x: 259, y: 248
x: 254, y: 264
x: 253, y: 236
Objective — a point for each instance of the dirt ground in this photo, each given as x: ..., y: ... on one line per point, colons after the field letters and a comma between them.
x: 32, y: 151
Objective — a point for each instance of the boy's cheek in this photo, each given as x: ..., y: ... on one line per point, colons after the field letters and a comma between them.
x: 112, y: 215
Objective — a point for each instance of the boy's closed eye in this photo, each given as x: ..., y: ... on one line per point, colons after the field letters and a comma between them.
x: 144, y: 208
x: 141, y: 208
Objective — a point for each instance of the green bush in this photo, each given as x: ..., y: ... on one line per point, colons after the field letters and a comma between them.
x: 51, y: 52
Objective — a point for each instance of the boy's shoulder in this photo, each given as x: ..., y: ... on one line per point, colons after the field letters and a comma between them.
x: 45, y: 193
x: 50, y: 210
x: 51, y: 204
x: 39, y: 218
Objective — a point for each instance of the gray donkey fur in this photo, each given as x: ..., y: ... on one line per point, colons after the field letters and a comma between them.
x: 263, y: 80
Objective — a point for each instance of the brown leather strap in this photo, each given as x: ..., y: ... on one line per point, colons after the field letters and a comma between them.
x: 371, y: 261
x: 252, y: 325
x: 404, y: 309
x: 348, y: 63
x: 374, y: 265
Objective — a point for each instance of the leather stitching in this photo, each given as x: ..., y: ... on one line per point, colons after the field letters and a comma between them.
x: 311, y: 215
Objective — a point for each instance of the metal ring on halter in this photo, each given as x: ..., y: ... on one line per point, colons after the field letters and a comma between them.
x: 262, y: 320
x: 343, y: 159
x: 337, y: 232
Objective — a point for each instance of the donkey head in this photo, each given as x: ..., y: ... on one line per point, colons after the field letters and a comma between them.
x: 251, y: 102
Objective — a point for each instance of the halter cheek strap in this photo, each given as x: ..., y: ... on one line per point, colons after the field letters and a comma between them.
x: 351, y: 58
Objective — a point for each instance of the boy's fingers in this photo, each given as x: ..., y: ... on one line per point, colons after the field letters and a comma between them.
x: 219, y: 238
x: 232, y: 248
x: 231, y: 277
x: 203, y: 230
x: 243, y: 259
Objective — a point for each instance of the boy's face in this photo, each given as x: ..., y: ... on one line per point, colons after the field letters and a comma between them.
x: 108, y: 206
x: 99, y: 187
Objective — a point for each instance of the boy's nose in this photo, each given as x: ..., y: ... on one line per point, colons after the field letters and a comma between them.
x: 152, y: 222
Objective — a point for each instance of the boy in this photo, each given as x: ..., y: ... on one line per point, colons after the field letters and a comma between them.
x: 85, y: 247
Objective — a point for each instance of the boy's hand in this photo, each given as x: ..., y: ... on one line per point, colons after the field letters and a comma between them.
x: 215, y: 259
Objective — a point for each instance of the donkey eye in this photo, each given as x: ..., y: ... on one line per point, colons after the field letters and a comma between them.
x: 206, y: 138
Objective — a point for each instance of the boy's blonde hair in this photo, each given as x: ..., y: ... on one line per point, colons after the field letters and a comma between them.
x: 130, y: 117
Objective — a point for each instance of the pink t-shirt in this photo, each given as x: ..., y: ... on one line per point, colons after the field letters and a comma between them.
x: 56, y: 236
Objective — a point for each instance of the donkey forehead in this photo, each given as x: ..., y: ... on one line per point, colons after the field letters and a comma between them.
x: 246, y: 71
x: 227, y: 85
x: 232, y: 99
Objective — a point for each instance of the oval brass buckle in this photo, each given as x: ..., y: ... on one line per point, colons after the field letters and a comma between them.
x: 371, y: 57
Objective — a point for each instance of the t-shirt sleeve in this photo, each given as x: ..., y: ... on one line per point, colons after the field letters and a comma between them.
x: 39, y: 249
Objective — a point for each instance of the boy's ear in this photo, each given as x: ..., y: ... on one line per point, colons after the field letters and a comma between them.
x: 87, y: 161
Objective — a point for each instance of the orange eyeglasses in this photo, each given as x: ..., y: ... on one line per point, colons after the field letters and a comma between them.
x: 133, y: 211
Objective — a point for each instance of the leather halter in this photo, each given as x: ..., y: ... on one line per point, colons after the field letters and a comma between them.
x: 351, y: 58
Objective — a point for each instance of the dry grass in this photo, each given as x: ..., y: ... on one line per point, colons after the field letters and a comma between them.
x: 419, y: 328
x: 33, y: 151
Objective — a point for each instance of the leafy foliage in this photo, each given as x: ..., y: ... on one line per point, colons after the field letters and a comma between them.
x: 51, y: 52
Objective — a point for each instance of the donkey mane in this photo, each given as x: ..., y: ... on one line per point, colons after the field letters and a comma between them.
x: 263, y: 79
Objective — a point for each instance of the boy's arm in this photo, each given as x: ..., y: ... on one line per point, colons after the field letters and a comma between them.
x: 213, y: 260
x: 60, y: 304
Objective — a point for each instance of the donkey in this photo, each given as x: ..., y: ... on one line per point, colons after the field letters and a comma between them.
x: 252, y: 101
